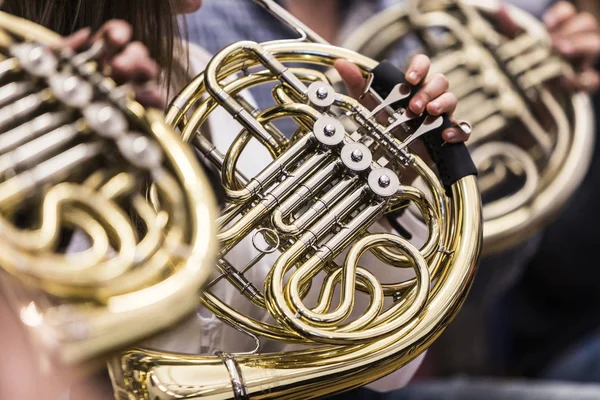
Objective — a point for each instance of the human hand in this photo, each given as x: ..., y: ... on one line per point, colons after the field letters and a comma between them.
x: 123, y: 60
x: 433, y: 96
x: 576, y: 36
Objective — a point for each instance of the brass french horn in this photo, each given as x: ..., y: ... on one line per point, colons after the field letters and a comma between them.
x: 532, y: 136
x: 90, y: 264
x: 321, y: 321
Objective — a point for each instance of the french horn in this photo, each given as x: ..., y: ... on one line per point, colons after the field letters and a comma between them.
x: 91, y: 260
x: 532, y: 136
x: 320, y: 321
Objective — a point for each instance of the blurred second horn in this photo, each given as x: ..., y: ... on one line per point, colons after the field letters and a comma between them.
x: 532, y: 136
x: 91, y: 259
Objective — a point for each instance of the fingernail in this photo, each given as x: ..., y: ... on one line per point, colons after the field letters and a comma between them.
x: 120, y: 35
x: 585, y: 79
x: 450, y: 136
x: 549, y: 20
x: 436, y: 106
x: 565, y: 47
x: 465, y: 126
x: 118, y: 62
x: 588, y: 80
x: 419, y: 105
x: 412, y: 76
x: 85, y: 32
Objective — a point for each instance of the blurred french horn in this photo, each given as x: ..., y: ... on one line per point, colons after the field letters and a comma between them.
x: 87, y: 260
x: 318, y: 322
x: 532, y: 136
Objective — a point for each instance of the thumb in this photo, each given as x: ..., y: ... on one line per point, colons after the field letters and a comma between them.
x: 355, y: 81
x: 353, y: 78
